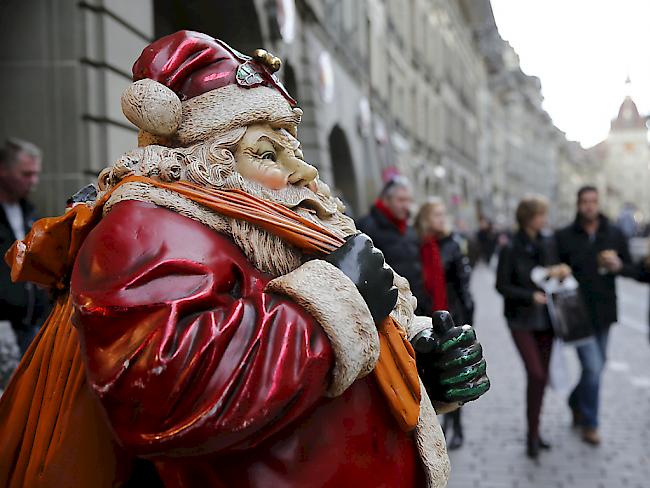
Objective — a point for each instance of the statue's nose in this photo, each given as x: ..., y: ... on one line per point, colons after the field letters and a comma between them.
x: 303, y: 174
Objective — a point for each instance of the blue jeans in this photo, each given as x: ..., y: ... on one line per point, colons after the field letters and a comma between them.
x: 585, y: 396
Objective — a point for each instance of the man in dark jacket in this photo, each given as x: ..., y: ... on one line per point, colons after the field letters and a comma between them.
x: 387, y: 225
x: 597, y: 251
x: 21, y: 304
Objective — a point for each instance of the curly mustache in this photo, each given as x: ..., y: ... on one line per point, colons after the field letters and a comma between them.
x: 291, y: 196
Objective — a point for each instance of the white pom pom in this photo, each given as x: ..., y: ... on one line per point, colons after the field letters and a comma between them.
x: 152, y: 107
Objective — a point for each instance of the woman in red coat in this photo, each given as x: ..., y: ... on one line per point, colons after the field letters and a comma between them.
x: 447, y: 274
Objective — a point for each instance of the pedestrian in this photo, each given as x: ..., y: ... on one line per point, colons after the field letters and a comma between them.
x: 597, y: 251
x: 388, y: 227
x: 627, y: 221
x: 525, y: 306
x: 446, y: 272
x: 21, y: 304
x: 486, y: 238
x: 643, y: 275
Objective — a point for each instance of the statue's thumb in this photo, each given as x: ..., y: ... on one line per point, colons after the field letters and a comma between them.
x: 442, y: 322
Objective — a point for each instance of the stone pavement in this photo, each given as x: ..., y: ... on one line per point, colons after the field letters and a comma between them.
x: 494, y: 452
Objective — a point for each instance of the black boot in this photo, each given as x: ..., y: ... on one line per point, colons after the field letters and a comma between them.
x: 543, y: 444
x: 533, y: 447
x: 456, y: 441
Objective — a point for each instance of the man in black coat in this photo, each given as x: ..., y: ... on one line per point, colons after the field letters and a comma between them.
x: 597, y: 251
x: 387, y: 225
x: 21, y: 304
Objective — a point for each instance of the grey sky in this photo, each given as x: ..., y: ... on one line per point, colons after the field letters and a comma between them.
x: 582, y: 50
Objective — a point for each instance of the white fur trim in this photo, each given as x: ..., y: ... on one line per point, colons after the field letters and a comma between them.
x: 403, y: 314
x: 428, y: 435
x: 333, y: 300
x: 431, y: 444
x: 152, y: 107
x: 417, y: 325
x: 232, y: 106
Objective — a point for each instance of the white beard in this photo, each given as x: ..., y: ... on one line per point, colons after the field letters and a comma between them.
x: 271, y: 253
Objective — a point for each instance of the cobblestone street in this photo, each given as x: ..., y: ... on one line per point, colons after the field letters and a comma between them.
x: 494, y: 452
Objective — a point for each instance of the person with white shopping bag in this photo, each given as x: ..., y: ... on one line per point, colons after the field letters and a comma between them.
x: 525, y: 305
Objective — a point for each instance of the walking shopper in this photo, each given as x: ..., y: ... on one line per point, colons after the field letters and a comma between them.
x: 487, y: 239
x: 525, y: 305
x: 643, y: 275
x: 446, y: 271
x: 597, y: 251
x: 388, y: 227
x: 21, y: 304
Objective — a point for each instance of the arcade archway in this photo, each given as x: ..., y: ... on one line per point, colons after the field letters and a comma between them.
x: 345, y: 179
x: 289, y: 81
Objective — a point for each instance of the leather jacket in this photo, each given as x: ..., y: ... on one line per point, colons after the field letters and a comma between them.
x: 516, y: 261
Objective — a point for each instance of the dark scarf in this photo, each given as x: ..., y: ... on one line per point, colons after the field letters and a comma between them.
x: 433, y: 273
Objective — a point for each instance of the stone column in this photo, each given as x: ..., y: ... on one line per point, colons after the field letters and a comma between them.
x: 65, y: 64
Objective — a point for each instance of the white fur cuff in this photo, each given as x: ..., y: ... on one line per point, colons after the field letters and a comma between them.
x: 431, y: 444
x: 334, y: 301
x: 417, y: 325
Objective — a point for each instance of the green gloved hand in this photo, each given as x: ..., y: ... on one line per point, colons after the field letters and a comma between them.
x: 450, y: 361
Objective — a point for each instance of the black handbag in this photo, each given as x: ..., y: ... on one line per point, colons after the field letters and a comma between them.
x: 569, y: 315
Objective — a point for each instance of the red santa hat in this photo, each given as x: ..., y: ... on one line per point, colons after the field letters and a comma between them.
x: 189, y: 87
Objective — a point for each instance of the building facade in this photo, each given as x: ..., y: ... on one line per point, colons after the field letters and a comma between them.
x: 65, y: 65
x: 625, y: 160
x: 576, y: 167
x: 520, y: 140
x: 426, y: 88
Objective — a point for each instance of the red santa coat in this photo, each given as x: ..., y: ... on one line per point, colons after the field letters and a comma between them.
x: 215, y: 381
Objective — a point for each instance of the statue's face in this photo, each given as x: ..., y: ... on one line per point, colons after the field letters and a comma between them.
x: 272, y: 158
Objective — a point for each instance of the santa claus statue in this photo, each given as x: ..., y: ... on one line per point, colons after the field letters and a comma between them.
x: 220, y: 322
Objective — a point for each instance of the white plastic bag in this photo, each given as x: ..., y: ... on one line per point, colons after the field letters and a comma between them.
x: 558, y: 370
x: 566, y: 307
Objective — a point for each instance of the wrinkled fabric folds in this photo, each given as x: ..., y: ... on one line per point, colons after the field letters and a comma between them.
x: 161, y: 315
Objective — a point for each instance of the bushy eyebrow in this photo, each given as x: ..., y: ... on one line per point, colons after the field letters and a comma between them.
x: 281, y: 139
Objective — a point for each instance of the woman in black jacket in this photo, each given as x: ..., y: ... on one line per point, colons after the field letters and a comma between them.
x: 525, y: 305
x: 446, y: 274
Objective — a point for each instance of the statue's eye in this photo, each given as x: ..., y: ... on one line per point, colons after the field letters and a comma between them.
x: 268, y: 155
